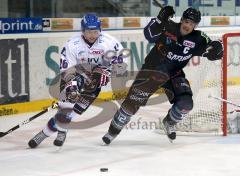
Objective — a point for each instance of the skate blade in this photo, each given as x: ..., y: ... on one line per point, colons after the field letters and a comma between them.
x: 104, y: 144
x: 165, y: 131
x: 58, y: 149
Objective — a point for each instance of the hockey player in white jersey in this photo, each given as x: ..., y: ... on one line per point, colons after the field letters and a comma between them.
x: 85, y: 67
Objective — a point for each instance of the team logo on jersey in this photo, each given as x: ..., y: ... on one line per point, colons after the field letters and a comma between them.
x: 188, y: 43
x: 93, y: 60
x: 96, y: 52
x: 179, y: 58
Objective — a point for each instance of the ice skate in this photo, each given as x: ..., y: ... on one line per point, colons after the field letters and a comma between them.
x: 37, y: 139
x: 169, y: 128
x: 108, y: 138
x: 61, y: 136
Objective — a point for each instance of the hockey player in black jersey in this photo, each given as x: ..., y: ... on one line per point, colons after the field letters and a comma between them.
x: 175, y: 45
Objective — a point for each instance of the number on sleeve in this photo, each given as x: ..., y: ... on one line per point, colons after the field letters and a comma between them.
x: 63, y: 64
x: 63, y: 52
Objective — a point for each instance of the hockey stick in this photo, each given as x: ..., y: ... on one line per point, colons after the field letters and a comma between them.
x: 223, y: 100
x: 28, y: 120
x: 157, y: 3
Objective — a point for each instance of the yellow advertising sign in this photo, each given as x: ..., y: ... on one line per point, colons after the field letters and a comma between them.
x: 62, y: 24
x: 104, y: 22
x: 220, y: 20
x: 131, y: 22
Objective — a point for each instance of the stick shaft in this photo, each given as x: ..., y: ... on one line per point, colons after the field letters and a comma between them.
x: 158, y: 3
x: 24, y: 122
x: 224, y: 100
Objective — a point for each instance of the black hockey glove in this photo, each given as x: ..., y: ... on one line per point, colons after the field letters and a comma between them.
x: 166, y: 13
x: 214, y: 51
x: 100, y: 77
x: 73, y: 88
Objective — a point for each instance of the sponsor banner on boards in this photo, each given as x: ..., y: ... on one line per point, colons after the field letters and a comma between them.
x: 20, y: 25
x: 62, y: 24
x: 220, y: 21
x: 104, y: 22
x: 14, y: 71
x: 131, y: 22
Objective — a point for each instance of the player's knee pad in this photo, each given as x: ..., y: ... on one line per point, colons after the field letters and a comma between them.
x: 177, y: 87
x: 181, y: 108
x: 184, y: 103
x: 181, y: 86
x: 52, y: 125
x: 120, y: 119
x: 62, y: 119
x: 62, y: 116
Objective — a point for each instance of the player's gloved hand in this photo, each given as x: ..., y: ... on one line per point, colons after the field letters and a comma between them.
x: 102, y: 75
x: 54, y: 105
x: 214, y: 51
x: 166, y: 13
x: 73, y: 88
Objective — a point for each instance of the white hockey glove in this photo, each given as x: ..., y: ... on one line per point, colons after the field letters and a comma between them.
x: 102, y: 75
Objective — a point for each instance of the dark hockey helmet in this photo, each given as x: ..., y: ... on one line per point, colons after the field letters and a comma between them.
x: 90, y: 21
x: 192, y: 14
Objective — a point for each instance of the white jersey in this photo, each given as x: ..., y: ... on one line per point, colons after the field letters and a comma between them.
x: 78, y: 54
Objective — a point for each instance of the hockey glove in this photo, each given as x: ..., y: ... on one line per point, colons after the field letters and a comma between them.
x: 214, y: 51
x: 102, y: 75
x: 165, y: 13
x: 73, y: 88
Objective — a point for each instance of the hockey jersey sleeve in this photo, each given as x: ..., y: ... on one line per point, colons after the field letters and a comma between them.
x: 120, y: 59
x: 203, y: 43
x: 67, y: 62
x: 116, y: 46
x: 153, y: 30
x: 114, y: 49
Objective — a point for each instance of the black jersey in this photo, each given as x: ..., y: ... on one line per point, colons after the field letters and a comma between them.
x: 171, y: 48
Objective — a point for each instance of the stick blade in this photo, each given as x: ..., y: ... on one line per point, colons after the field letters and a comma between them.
x: 157, y: 3
x: 2, y: 134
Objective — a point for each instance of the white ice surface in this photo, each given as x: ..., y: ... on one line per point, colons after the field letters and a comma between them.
x: 135, y: 152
